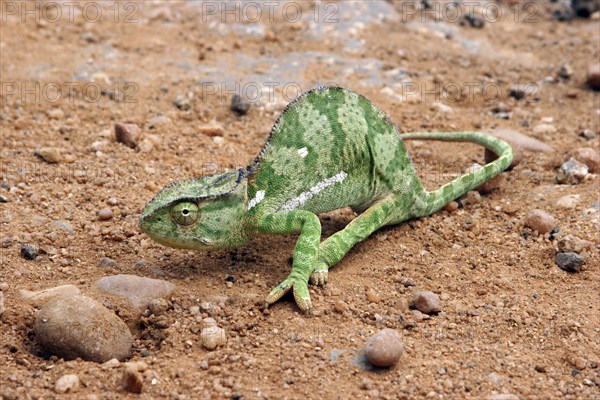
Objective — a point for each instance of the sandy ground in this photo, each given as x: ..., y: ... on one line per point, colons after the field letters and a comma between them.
x: 512, y: 322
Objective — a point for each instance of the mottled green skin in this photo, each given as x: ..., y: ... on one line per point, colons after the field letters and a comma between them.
x: 330, y: 148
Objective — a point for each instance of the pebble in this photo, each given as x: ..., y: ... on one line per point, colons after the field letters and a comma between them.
x: 110, y: 364
x: 158, y: 306
x: 571, y: 172
x: 183, y: 103
x: 565, y: 72
x: 239, y: 105
x: 67, y: 384
x: 41, y: 297
x: 503, y: 396
x: 128, y: 134
x: 588, y: 134
x: 490, y: 185
x: 49, y: 154
x: 471, y: 197
x: 442, y: 108
x: 452, y: 206
x: 140, y: 291
x: 373, y: 297
x: 158, y: 120
x: 544, y: 129
x: 570, y: 262
x: 106, y: 262
x: 1, y: 303
x: 426, y: 302
x: 568, y: 201
x: 540, y: 221
x: 384, y: 348
x: 3, y: 199
x: 105, y: 214
x: 578, y: 362
x: 340, y: 307
x: 212, y: 129
x: 589, y: 157
x: 29, y: 251
x: 211, y: 335
x: 79, y: 326
x: 132, y: 380
x: 55, y: 113
x: 573, y: 244
x: 593, y: 76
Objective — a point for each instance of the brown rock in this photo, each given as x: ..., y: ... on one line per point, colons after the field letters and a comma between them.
x: 213, y: 129
x: 340, y: 306
x: 67, y: 384
x: 140, y: 291
x: 452, y: 206
x: 373, y: 297
x: 593, y: 76
x: 105, y: 214
x: 128, y: 134
x: 426, y: 302
x: 571, y: 172
x: 384, y: 348
x: 132, y: 380
x: 49, y: 154
x: 589, y: 157
x: 573, y: 244
x: 519, y: 143
x: 78, y: 326
x: 490, y: 185
x: 540, y: 221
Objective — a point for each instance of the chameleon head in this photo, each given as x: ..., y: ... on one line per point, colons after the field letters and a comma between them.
x: 206, y: 213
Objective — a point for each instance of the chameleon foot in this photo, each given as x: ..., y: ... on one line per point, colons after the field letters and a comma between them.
x: 301, y: 295
x: 320, y: 275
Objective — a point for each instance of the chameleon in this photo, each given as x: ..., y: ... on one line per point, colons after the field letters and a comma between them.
x: 329, y: 149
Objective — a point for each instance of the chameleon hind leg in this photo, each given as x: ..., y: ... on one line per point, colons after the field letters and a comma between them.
x: 335, y: 247
x: 304, y: 257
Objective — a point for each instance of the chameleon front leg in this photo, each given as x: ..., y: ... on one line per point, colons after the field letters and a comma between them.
x: 305, y: 252
x: 335, y: 247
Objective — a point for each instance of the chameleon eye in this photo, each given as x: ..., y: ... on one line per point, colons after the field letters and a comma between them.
x: 185, y: 213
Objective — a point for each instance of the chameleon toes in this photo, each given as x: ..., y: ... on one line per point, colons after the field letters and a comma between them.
x: 319, y: 277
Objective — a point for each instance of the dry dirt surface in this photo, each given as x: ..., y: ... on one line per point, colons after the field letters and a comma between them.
x: 512, y: 325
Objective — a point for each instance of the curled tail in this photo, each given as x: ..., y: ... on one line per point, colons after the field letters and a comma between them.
x: 452, y: 190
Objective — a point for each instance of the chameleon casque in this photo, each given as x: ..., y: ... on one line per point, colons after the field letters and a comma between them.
x: 330, y: 148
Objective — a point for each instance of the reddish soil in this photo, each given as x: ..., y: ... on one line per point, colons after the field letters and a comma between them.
x: 512, y: 322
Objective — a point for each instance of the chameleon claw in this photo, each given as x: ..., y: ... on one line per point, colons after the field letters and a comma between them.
x: 319, y: 278
x: 300, y: 290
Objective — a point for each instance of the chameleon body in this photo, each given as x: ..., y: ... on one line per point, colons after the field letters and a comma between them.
x: 330, y: 148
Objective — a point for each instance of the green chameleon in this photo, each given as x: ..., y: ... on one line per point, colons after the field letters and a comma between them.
x: 330, y: 148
